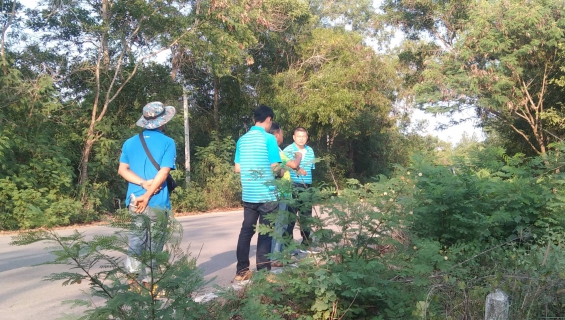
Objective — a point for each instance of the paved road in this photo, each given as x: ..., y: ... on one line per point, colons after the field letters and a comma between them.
x: 212, y: 237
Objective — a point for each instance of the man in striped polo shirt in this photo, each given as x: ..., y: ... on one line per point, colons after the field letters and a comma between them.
x: 256, y: 159
x: 302, y: 180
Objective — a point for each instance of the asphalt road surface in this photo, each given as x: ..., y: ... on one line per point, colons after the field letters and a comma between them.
x: 23, y: 295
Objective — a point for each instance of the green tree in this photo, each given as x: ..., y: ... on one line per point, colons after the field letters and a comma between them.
x: 342, y: 92
x: 8, y: 20
x: 359, y: 16
x: 497, y: 57
x: 107, y: 42
x: 424, y: 19
x: 215, y: 62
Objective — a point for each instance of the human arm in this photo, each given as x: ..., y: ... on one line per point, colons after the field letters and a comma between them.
x: 278, y: 170
x: 125, y: 172
x: 237, y: 167
x: 309, y: 164
x: 142, y: 202
x: 295, y: 162
x: 296, y: 159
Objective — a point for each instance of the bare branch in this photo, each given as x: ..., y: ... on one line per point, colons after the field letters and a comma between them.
x: 525, y: 137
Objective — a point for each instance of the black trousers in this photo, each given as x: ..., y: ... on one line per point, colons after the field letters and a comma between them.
x: 253, y: 212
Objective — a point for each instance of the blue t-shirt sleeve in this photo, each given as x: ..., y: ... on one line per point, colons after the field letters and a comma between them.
x: 123, y: 156
x: 170, y: 155
x: 273, y: 149
x: 236, y: 160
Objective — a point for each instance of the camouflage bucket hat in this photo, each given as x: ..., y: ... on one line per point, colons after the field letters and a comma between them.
x: 155, y: 114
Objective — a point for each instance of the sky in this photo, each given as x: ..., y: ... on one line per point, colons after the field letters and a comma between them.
x: 452, y: 134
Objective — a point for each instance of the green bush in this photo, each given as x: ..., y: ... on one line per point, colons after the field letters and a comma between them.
x: 214, y: 184
x: 36, y: 172
x: 99, y: 261
x: 31, y: 208
x: 188, y: 199
x: 215, y: 173
x: 490, y: 196
x: 428, y: 243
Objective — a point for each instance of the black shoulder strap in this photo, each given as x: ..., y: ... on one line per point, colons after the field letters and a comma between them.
x: 147, y: 151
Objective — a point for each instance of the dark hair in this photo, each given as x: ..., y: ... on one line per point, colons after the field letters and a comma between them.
x: 275, y: 127
x: 300, y: 129
x: 262, y: 113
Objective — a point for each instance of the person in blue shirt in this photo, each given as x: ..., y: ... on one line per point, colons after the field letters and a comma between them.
x: 256, y: 160
x: 147, y: 192
x: 302, y: 180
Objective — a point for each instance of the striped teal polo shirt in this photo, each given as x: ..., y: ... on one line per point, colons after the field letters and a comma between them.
x: 255, y: 152
x: 307, y: 163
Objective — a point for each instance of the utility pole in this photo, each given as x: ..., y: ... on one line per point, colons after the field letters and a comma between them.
x: 186, y: 138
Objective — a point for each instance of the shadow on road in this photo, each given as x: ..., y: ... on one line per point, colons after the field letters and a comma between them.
x: 223, y: 260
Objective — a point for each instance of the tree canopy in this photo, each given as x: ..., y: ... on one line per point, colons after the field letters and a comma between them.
x: 75, y: 75
x: 493, y: 56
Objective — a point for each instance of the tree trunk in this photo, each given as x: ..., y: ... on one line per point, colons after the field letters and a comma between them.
x: 102, y: 64
x: 83, y: 169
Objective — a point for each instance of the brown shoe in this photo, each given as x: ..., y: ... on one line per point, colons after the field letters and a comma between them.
x: 243, y: 275
x: 277, y: 264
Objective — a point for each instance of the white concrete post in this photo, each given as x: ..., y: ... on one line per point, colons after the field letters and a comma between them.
x: 497, y: 306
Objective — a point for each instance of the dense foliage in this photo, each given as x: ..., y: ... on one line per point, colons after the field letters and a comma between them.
x: 410, y: 226
x: 74, y: 80
x: 501, y: 58
x: 428, y: 243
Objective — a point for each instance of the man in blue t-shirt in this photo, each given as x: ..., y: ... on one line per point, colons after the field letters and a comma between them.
x: 256, y: 159
x: 147, y: 188
x: 302, y: 181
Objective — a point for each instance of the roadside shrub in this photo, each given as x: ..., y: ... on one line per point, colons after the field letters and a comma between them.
x: 491, y: 196
x: 31, y: 208
x: 188, y: 199
x: 428, y: 243
x: 172, y: 274
x: 530, y: 274
x: 215, y: 173
x: 214, y: 184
